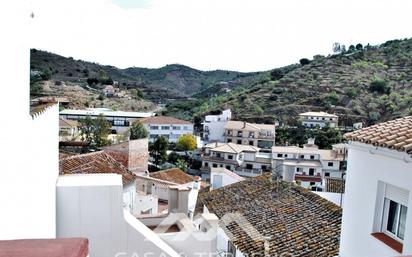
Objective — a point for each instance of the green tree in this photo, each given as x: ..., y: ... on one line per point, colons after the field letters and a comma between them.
x: 186, y: 143
x: 359, y: 46
x: 173, y: 157
x: 95, y: 131
x: 380, y: 86
x: 136, y: 93
x: 158, y: 150
x: 181, y: 164
x: 304, y: 61
x: 138, y: 131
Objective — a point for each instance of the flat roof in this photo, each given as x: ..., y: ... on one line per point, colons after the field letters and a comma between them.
x: 90, y: 180
x: 106, y: 112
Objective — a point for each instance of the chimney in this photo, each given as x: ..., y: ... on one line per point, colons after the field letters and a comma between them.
x: 244, y: 124
x: 134, y: 154
x: 288, y: 173
x: 179, y: 199
x: 197, y: 182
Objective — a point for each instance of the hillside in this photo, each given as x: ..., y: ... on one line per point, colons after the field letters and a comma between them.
x: 164, y: 84
x: 370, y: 84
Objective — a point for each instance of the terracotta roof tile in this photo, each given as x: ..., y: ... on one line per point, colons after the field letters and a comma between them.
x: 163, y: 120
x: 97, y: 162
x: 395, y: 134
x: 174, y: 175
x: 335, y: 185
x: 297, y: 221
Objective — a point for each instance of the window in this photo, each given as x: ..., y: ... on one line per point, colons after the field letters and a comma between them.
x: 229, y: 140
x: 312, y: 183
x: 312, y: 157
x: 185, y: 128
x: 311, y: 172
x: 206, y: 164
x: 394, y: 219
x: 231, y: 249
x: 250, y: 142
x: 239, y: 142
x: 229, y: 132
x: 221, y: 165
x: 154, y: 127
x: 218, y: 155
x: 249, y: 166
x: 230, y: 157
x: 302, y: 156
x: 227, y: 167
x: 214, y: 165
x: 264, y: 167
x: 118, y: 122
x: 330, y: 164
x: 165, y: 127
x: 178, y: 128
x: 298, y: 169
x: 327, y: 174
x: 280, y: 155
x: 239, y: 133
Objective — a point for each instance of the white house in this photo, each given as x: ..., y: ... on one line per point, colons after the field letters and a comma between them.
x: 310, y: 164
x: 168, y: 127
x: 119, y: 120
x: 318, y: 119
x: 220, y: 177
x: 377, y: 218
x: 244, y: 160
x: 214, y: 126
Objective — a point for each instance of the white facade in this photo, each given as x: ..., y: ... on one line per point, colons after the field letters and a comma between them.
x: 220, y: 177
x: 119, y: 120
x: 309, y: 164
x: 29, y: 156
x: 371, y: 173
x: 214, y: 126
x: 91, y: 206
x: 318, y: 119
x: 171, y: 131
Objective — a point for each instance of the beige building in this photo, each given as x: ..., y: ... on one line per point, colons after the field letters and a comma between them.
x: 244, y: 133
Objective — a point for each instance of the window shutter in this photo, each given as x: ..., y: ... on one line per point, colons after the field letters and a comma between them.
x: 397, y: 194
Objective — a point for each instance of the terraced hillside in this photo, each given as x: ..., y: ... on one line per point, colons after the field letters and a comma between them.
x: 370, y: 84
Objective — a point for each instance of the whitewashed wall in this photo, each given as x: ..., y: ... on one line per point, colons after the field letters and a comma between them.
x: 367, y: 166
x: 91, y: 206
x: 29, y: 158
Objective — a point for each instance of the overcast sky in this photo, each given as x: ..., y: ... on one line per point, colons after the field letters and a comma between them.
x: 212, y: 34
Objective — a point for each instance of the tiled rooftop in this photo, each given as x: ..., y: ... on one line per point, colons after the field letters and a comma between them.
x: 163, y: 120
x: 335, y: 185
x: 174, y: 175
x: 91, y: 163
x: 297, y: 221
x: 395, y: 134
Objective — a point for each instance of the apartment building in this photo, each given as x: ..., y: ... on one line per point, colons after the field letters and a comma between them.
x: 318, y: 119
x: 244, y: 160
x: 119, y: 120
x: 309, y: 164
x: 214, y: 126
x: 168, y: 127
x: 244, y: 133
x: 377, y: 218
